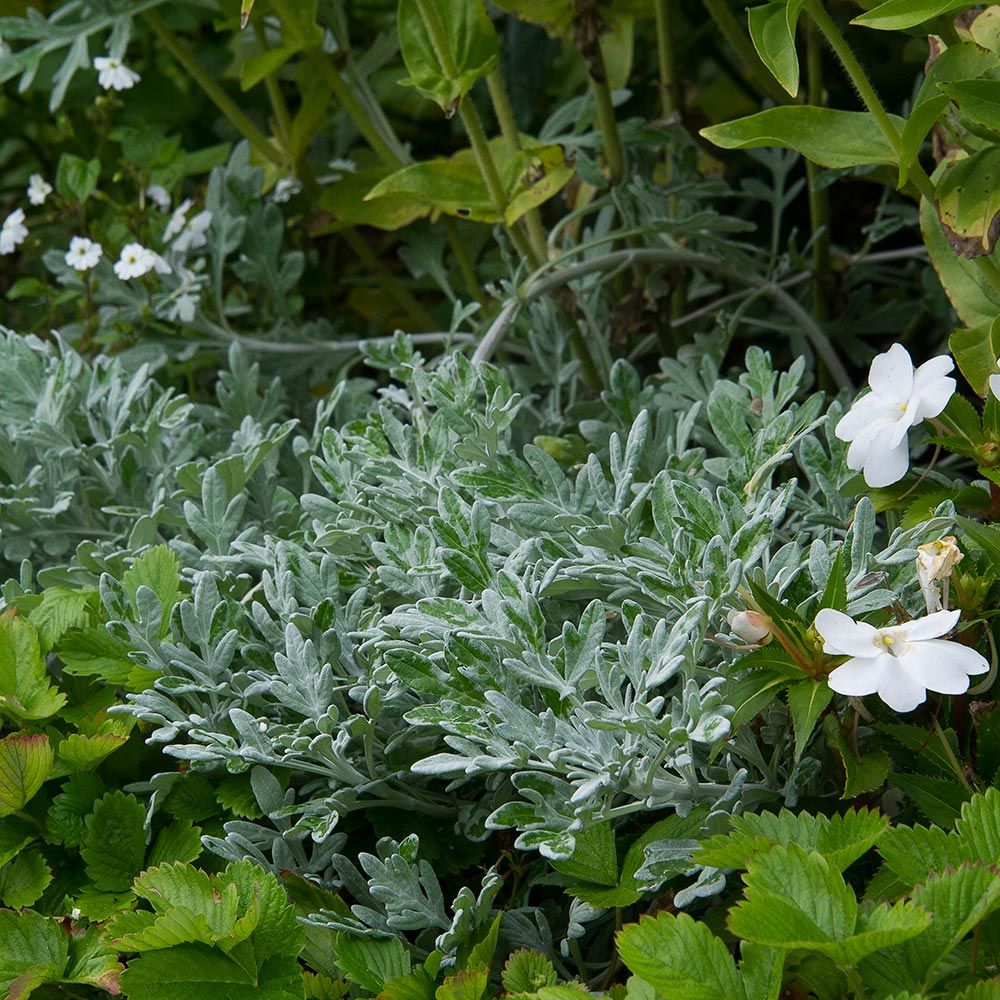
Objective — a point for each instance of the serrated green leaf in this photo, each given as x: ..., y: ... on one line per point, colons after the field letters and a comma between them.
x: 158, y: 569
x: 24, y: 879
x: 371, y: 962
x: 64, y: 821
x: 25, y: 692
x: 25, y: 763
x: 180, y: 841
x: 681, y: 958
x: 526, y: 971
x: 114, y: 842
x: 59, y: 609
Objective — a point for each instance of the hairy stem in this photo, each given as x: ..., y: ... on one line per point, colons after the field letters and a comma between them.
x: 614, y: 155
x: 666, y: 58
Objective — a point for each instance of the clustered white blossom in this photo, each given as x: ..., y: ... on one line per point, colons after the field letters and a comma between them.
x: 113, y: 74
x: 137, y: 260
x: 160, y: 195
x: 38, y: 189
x: 190, y: 234
x: 13, y: 232
x: 900, y: 663
x: 901, y: 397
x: 83, y: 254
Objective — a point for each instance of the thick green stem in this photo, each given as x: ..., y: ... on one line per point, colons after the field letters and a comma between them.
x: 239, y: 120
x: 614, y: 156
x: 665, y: 50
x: 504, y: 111
x: 730, y: 29
x: 465, y: 268
x: 282, y: 118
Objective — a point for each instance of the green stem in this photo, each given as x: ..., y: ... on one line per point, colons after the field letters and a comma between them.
x: 819, y: 202
x: 607, y: 122
x: 472, y: 285
x: 282, y: 119
x: 239, y: 120
x: 665, y: 49
x: 394, y: 288
x: 504, y: 111
x: 952, y: 759
x: 352, y: 107
x: 730, y: 29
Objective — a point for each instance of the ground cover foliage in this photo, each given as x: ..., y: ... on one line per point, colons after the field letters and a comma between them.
x: 445, y: 554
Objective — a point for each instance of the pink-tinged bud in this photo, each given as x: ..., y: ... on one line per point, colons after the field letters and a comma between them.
x: 750, y: 626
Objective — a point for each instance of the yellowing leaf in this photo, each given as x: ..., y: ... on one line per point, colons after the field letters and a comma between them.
x: 25, y: 763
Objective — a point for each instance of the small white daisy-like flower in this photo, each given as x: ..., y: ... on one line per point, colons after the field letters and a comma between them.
x: 137, y: 260
x: 13, y: 232
x: 83, y: 254
x: 158, y: 194
x: 113, y: 74
x: 38, y: 189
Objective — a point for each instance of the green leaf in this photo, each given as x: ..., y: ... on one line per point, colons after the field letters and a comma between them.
x: 25, y: 763
x: 977, y: 100
x: 25, y: 692
x: 197, y: 970
x: 472, y: 48
x: 529, y: 177
x: 969, y: 290
x: 180, y: 841
x: 33, y: 950
x: 60, y: 609
x: 922, y: 119
x: 939, y: 799
x: 681, y: 958
x: 750, y: 695
x: 346, y: 200
x: 15, y: 833
x: 968, y: 198
x: 114, y: 842
x: 976, y: 350
x: 594, y: 858
x: 95, y: 650
x: 371, y: 962
x: 158, y: 569
x: 772, y: 28
x: 862, y: 774
x: 470, y: 984
x: 76, y: 179
x: 527, y: 971
x: 64, y: 821
x: 806, y: 702
x: 80, y: 752
x: 897, y: 15
x: 23, y: 880
x: 825, y: 136
x: 797, y: 901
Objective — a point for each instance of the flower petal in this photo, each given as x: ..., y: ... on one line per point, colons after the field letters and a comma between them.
x: 886, y: 466
x: 874, y: 438
x: 896, y: 688
x: 955, y: 653
x: 933, y: 398
x: 931, y: 371
x: 891, y: 374
x: 842, y: 634
x: 863, y: 413
x: 934, y: 668
x: 995, y: 385
x: 929, y: 627
x: 858, y: 676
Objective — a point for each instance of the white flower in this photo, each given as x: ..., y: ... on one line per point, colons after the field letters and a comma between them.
x: 750, y: 626
x: 193, y: 234
x: 877, y: 424
x: 935, y: 561
x: 285, y: 189
x: 160, y: 195
x: 177, y: 220
x: 13, y: 231
x: 38, y: 189
x: 136, y: 260
x: 113, y: 74
x: 83, y: 254
x: 900, y: 663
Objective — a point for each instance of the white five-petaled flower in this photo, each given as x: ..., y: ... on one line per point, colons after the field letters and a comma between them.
x: 83, y: 254
x: 137, y: 260
x: 38, y: 189
x: 113, y: 74
x: 900, y: 663
x: 877, y: 424
x: 13, y: 231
